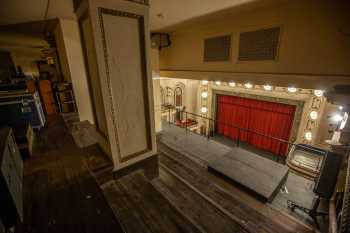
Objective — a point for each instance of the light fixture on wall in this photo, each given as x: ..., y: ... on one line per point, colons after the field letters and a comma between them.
x: 248, y: 85
x: 267, y: 87
x: 205, y: 82
x: 204, y: 109
x: 313, y: 115
x: 308, y: 136
x: 340, y: 108
x: 292, y: 89
x: 232, y: 84
x: 318, y: 93
x: 204, y: 94
x: 337, y: 117
x: 218, y: 83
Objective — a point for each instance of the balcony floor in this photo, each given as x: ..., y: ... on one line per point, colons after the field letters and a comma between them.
x: 68, y: 189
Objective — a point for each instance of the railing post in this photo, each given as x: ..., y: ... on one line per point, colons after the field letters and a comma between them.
x: 238, y: 135
x: 169, y: 116
x: 209, y: 124
x: 186, y: 121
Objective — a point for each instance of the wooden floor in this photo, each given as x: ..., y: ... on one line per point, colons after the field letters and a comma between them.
x: 68, y: 189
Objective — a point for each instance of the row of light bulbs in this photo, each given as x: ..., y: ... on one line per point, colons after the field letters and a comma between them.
x: 267, y: 87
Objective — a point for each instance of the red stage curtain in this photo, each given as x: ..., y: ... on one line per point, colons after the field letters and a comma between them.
x: 268, y: 118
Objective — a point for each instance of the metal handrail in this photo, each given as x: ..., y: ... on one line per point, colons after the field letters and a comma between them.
x: 281, y: 141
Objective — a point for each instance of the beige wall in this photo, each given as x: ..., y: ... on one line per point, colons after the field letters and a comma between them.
x: 70, y: 45
x: 156, y: 89
x: 311, y: 42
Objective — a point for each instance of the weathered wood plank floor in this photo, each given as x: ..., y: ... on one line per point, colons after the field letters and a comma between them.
x: 60, y: 194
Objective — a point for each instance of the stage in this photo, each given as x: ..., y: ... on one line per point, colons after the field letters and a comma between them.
x: 259, y: 176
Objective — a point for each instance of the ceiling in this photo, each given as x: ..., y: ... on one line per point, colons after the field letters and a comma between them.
x: 163, y: 13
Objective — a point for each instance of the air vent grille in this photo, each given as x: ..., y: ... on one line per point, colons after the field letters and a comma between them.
x: 259, y: 45
x: 217, y: 48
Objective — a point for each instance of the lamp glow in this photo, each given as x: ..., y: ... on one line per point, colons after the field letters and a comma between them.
x: 218, y: 83
x: 337, y: 118
x: 292, y: 89
x: 318, y: 93
x: 204, y: 109
x: 267, y: 87
x: 232, y: 84
x: 205, y: 82
x: 308, y: 136
x: 204, y: 94
x: 340, y: 107
x: 248, y: 85
x: 313, y: 115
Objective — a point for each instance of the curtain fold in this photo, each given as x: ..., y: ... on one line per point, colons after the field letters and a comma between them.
x: 268, y: 118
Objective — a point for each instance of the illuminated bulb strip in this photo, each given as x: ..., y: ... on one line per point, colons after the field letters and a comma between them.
x: 267, y: 87
x: 308, y: 136
x: 204, y: 94
x: 318, y: 93
x: 218, y: 83
x: 204, y: 109
x: 248, y: 85
x: 292, y: 89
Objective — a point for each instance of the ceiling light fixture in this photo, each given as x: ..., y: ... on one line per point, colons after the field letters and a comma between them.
x: 204, y: 94
x: 232, y: 84
x: 318, y: 93
x: 205, y: 82
x: 218, y: 83
x: 204, y: 109
x: 267, y: 87
x: 292, y: 89
x: 308, y: 136
x: 313, y: 115
x: 248, y: 85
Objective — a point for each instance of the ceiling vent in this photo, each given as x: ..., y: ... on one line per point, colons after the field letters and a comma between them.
x: 259, y: 45
x: 217, y: 49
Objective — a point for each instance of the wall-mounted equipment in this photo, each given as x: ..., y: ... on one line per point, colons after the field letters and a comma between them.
x: 160, y: 40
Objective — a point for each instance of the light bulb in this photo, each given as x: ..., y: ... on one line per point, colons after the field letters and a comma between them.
x: 308, y: 136
x: 292, y: 89
x: 267, y: 87
x: 340, y: 107
x: 337, y: 118
x: 248, y: 85
x: 204, y: 109
x: 232, y: 84
x: 318, y: 93
x: 218, y: 83
x: 204, y: 94
x: 313, y: 115
x: 205, y: 82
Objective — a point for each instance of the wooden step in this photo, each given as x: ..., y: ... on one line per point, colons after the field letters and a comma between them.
x: 141, y: 208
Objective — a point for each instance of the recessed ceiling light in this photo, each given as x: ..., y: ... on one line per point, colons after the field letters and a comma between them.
x: 232, y: 84
x: 204, y: 94
x: 313, y: 115
x: 205, y: 82
x: 218, y: 83
x: 308, y: 136
x: 248, y: 85
x: 318, y: 93
x: 292, y: 89
x: 204, y: 109
x: 267, y: 87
